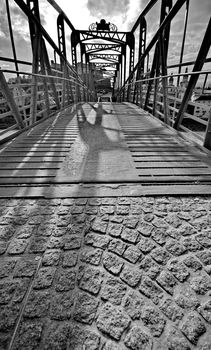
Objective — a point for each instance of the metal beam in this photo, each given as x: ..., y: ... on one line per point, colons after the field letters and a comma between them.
x: 9, y: 97
x: 155, y: 38
x: 143, y: 14
x: 203, y: 51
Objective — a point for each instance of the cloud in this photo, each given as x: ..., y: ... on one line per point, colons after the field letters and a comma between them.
x: 107, y: 8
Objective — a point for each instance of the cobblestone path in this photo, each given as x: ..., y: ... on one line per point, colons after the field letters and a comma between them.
x: 111, y: 274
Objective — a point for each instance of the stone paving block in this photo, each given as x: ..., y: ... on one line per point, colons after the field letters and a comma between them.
x: 192, y: 327
x: 85, y: 308
x: 148, y: 217
x: 145, y: 245
x: 204, y: 239
x: 51, y: 257
x: 91, y: 255
x: 3, y: 247
x: 131, y: 221
x: 37, y: 304
x: 191, y: 244
x: 90, y: 279
x: 99, y: 226
x: 131, y: 276
x: 97, y: 240
x: 130, y: 235
x: 176, y: 341
x: 204, y: 257
x: 200, y: 282
x: 160, y: 255
x: 133, y: 305
x: 29, y: 335
x: 113, y: 291
x: 108, y: 201
x: 192, y: 263
x: 22, y: 286
x: 173, y: 220
x: 178, y: 270
x: 9, y: 315
x: 153, y: 320
x: 7, y: 290
x: 187, y: 230
x: 55, y: 242
x: 114, y: 229
x: 112, y: 320
x: 56, y: 337
x: 167, y: 281
x: 82, y: 337
x: 107, y: 209
x: 185, y: 297
x: 44, y: 278
x: 25, y: 232
x: 151, y: 268
x: 175, y: 247
x: 171, y: 309
x: 25, y: 267
x: 122, y: 209
x: 77, y: 209
x: 72, y: 242
x: 132, y: 254
x: 145, y: 228
x: 61, y: 306
x: 205, y: 311
x: 138, y: 339
x: 6, y: 232
x: 4, y: 341
x: 38, y: 245
x: 58, y: 232
x: 92, y: 210
x: 112, y: 263
x: 117, y: 219
x: 7, y: 267
x: 45, y: 229
x: 150, y: 289
x: 65, y: 279
x: 159, y: 235
x: 70, y: 258
x: 117, y: 246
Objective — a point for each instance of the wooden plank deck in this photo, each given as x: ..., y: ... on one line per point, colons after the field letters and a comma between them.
x: 159, y: 153
x: 102, y: 144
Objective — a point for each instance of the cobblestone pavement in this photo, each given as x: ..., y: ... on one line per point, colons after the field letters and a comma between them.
x: 111, y: 273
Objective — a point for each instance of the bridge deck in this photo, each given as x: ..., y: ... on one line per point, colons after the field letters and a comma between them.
x: 104, y: 143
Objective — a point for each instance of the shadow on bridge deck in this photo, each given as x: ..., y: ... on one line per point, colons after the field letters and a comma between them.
x: 99, y: 146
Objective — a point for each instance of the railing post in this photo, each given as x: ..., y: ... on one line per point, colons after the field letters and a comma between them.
x: 164, y: 80
x: 49, y: 71
x: 9, y: 97
x: 207, y: 139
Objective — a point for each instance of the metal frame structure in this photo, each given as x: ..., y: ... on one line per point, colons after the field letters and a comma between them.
x: 123, y: 54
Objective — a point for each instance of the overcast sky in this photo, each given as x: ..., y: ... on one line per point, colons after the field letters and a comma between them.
x: 123, y: 13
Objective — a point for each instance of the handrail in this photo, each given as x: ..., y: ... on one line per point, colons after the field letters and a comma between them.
x: 167, y: 76
x: 45, y: 76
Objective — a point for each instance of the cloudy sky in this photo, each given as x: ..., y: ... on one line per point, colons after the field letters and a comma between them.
x: 123, y: 13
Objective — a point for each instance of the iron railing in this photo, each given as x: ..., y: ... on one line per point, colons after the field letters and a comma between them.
x: 41, y: 88
x: 147, y: 85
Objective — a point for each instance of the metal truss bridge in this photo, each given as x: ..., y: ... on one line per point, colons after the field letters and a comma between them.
x: 60, y: 136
